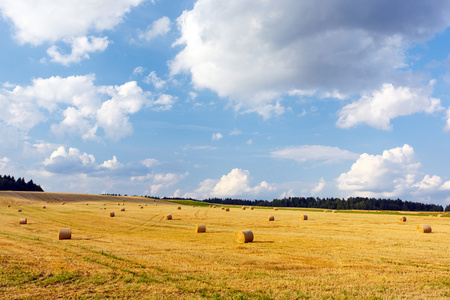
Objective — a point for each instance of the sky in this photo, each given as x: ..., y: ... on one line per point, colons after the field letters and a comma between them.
x: 254, y: 99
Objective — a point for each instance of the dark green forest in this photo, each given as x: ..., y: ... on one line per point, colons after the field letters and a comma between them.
x: 336, y: 203
x: 9, y: 183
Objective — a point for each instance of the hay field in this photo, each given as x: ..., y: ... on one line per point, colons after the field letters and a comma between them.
x: 139, y: 255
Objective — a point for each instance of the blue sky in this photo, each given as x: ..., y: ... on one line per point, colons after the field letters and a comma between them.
x: 243, y: 99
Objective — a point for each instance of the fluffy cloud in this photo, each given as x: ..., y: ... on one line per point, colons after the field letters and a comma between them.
x: 81, y: 47
x: 150, y: 162
x: 217, y: 136
x: 71, y: 161
x: 160, y: 182
x: 112, y: 164
x: 447, y: 126
x: 82, y: 106
x: 42, y: 21
x: 379, y: 108
x: 234, y: 184
x: 314, y: 153
x: 254, y: 51
x: 318, y: 188
x: 157, y: 82
x: 158, y: 27
x: 392, y: 174
x: 164, y: 102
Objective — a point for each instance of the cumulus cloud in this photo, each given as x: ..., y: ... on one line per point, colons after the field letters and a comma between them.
x: 150, y: 162
x: 235, y: 183
x: 50, y: 21
x: 217, y: 136
x: 77, y: 104
x: 318, y: 188
x: 379, y: 108
x: 157, y: 82
x: 158, y: 27
x: 164, y: 102
x: 161, y: 181
x: 251, y: 52
x: 81, y: 47
x: 306, y: 153
x: 71, y: 161
x: 112, y: 164
x: 447, y: 126
x: 3, y: 162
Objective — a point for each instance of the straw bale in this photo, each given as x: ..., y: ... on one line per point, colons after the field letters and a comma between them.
x: 19, y: 210
x: 65, y: 234
x: 200, y: 228
x: 334, y: 211
x: 179, y: 207
x: 244, y: 236
x: 270, y: 218
x: 252, y: 208
x: 424, y: 228
x: 214, y: 206
x: 227, y: 209
x: 168, y: 217
x: 275, y: 208
x: 122, y: 209
x: 9, y: 205
x: 243, y: 208
x: 223, y: 208
x: 440, y: 215
x: 112, y: 214
x: 23, y: 221
x: 326, y: 210
x: 402, y: 219
x: 304, y: 217
x: 44, y: 206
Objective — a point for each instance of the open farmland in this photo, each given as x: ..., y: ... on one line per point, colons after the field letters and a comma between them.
x: 138, y: 254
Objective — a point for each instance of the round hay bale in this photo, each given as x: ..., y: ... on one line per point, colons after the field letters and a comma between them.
x: 104, y: 208
x: 223, y: 208
x: 118, y: 203
x: 275, y: 208
x: 179, y: 207
x: 101, y: 208
x: 244, y: 236
x: 326, y: 210
x: 63, y: 203
x: 19, y: 210
x: 65, y: 234
x: 252, y: 208
x: 145, y: 204
x: 142, y: 207
x: 210, y: 206
x: 424, y: 228
x: 270, y: 218
x: 304, y: 217
x: 9, y: 205
x: 87, y: 204
x: 200, y: 228
x: 168, y: 217
x: 440, y: 215
x: 227, y: 209
x: 112, y: 214
x: 44, y: 207
x: 243, y: 208
x: 214, y: 206
x: 402, y: 219
x: 23, y: 221
x: 334, y: 211
x: 122, y: 209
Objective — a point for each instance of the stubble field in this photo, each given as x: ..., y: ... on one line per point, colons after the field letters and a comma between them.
x: 138, y: 254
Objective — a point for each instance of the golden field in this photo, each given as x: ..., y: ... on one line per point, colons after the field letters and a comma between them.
x: 139, y: 255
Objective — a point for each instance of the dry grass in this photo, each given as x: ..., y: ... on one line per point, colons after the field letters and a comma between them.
x: 137, y: 255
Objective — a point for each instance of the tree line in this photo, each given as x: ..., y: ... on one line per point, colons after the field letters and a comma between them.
x: 9, y: 183
x: 335, y: 203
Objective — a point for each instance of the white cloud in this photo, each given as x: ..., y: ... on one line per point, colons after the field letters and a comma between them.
x: 164, y: 102
x: 160, y: 182
x: 79, y: 106
x: 150, y: 162
x: 236, y: 132
x: 389, y: 175
x: 318, y: 188
x: 217, y: 136
x: 252, y: 52
x: 157, y: 82
x: 71, y: 161
x: 112, y: 164
x: 138, y: 70
x: 306, y: 153
x: 379, y: 108
x: 81, y: 47
x: 236, y: 183
x: 447, y: 126
x: 4, y: 162
x: 445, y: 186
x: 50, y: 21
x: 158, y: 27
